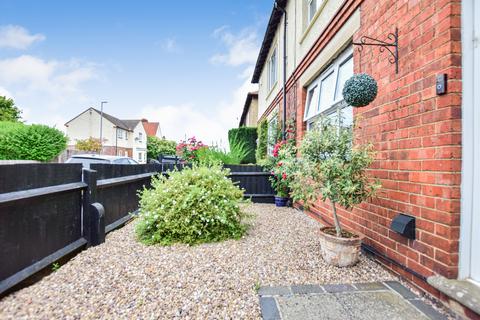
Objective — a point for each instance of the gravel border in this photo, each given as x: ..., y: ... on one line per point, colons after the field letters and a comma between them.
x: 124, y: 279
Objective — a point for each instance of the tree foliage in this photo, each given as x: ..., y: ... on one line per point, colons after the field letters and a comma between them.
x: 333, y: 168
x: 157, y: 146
x: 8, y: 110
x: 91, y: 145
x: 31, y: 142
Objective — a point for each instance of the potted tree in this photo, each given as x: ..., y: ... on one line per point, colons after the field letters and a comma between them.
x: 333, y: 169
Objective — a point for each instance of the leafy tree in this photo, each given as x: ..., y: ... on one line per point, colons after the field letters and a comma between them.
x: 91, y: 144
x: 157, y: 146
x: 333, y: 168
x: 31, y: 142
x: 8, y: 110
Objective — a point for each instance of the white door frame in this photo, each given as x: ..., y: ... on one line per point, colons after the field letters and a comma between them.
x: 470, y: 200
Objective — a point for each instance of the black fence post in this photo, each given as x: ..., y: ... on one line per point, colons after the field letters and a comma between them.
x: 97, y: 230
x: 89, y: 197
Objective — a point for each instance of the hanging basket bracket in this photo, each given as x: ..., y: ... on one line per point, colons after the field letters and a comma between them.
x: 391, y: 45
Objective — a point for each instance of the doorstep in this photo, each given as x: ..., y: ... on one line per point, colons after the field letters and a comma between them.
x: 463, y: 291
x: 365, y: 301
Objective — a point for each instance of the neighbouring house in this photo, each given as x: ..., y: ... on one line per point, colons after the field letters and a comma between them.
x: 249, y: 115
x: 428, y: 158
x: 152, y: 129
x: 120, y: 137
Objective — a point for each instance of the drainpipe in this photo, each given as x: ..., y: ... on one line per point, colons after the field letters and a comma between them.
x: 284, y: 122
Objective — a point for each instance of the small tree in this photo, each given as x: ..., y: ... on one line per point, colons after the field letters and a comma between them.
x: 8, y: 110
x: 91, y: 145
x: 332, y: 168
x: 157, y: 146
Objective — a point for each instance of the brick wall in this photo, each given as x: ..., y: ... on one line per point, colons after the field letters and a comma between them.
x: 417, y: 134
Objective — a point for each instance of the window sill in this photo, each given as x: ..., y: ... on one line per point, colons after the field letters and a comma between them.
x: 312, y: 22
x: 271, y: 90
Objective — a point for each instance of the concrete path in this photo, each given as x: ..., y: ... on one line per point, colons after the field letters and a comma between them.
x: 363, y: 301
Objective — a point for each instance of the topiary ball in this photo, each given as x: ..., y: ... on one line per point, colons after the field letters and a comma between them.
x: 360, y: 90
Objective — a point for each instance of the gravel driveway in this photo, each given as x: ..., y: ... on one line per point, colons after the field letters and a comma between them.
x: 123, y: 279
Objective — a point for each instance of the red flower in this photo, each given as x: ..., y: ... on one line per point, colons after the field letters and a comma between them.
x: 284, y: 176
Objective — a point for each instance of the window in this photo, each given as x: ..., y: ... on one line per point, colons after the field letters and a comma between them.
x: 272, y: 133
x: 140, y: 156
x: 324, y: 95
x: 140, y: 137
x: 272, y: 69
x: 313, y: 6
x: 120, y: 133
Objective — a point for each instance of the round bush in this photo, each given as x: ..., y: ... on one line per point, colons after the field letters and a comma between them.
x: 32, y: 142
x: 195, y: 205
x: 360, y: 90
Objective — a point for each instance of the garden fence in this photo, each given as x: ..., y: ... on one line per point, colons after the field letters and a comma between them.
x: 48, y: 211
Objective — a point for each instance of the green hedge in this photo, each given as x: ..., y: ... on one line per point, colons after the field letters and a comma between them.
x: 157, y: 146
x: 30, y: 142
x: 262, y: 132
x: 246, y: 136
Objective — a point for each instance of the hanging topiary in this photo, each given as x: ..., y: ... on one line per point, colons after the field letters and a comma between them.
x: 360, y: 90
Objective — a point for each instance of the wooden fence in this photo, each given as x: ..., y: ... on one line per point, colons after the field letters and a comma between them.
x: 48, y: 211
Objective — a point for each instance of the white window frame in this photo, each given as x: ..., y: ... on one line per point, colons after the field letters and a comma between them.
x: 140, y: 137
x: 272, y: 74
x: 337, y: 103
x: 311, y: 14
x: 119, y: 133
x: 273, y: 121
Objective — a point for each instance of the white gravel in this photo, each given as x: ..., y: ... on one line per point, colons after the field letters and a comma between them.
x: 124, y: 279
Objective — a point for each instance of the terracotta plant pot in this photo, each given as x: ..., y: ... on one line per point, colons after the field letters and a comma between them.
x: 340, y: 252
x: 281, y: 201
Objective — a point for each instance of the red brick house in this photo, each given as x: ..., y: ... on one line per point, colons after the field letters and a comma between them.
x: 427, y: 143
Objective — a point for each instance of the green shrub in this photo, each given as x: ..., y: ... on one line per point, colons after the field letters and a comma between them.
x: 262, y: 133
x: 7, y: 126
x: 217, y: 156
x: 246, y: 135
x: 157, y: 146
x: 31, y: 142
x: 195, y: 205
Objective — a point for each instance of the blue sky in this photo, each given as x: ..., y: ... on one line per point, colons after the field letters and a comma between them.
x: 186, y: 64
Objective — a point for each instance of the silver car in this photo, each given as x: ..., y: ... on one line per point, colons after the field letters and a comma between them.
x: 87, y: 159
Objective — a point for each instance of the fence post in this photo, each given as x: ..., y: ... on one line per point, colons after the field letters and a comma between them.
x: 97, y: 230
x: 90, y: 216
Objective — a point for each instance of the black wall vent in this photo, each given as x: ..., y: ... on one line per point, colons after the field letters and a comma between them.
x: 404, y: 225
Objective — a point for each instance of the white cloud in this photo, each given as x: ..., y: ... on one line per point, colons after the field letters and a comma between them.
x: 17, y: 37
x: 242, y: 48
x: 43, y: 88
x: 178, y: 122
x: 170, y: 45
x: 4, y: 93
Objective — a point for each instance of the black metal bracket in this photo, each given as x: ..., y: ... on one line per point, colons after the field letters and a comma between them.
x: 391, y: 46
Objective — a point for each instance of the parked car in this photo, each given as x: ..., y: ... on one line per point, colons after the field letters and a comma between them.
x: 87, y: 159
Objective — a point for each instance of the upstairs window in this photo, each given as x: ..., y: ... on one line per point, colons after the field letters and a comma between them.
x: 120, y: 133
x: 272, y: 69
x: 313, y: 7
x: 324, y: 95
x: 140, y: 137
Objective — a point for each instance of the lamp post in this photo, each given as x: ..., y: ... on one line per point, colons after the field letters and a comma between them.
x: 101, y: 125
x: 284, y: 122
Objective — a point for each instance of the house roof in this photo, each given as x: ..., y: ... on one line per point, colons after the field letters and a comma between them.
x: 275, y: 18
x: 151, y: 128
x: 128, y: 125
x: 246, y: 107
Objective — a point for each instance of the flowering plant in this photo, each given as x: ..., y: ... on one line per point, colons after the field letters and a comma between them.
x: 283, y: 167
x: 187, y: 149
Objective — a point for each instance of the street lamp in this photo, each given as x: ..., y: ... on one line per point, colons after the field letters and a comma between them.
x: 101, y: 123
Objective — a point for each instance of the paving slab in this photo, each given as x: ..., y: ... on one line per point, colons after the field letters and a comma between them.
x: 361, y: 301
